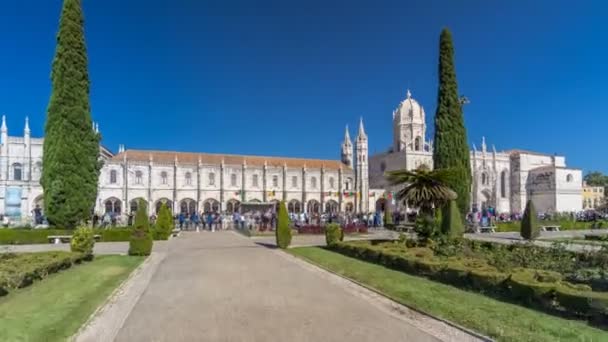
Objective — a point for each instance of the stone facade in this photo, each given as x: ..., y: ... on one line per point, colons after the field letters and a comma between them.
x: 593, y: 196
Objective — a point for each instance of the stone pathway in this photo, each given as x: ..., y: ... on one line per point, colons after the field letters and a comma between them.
x: 225, y: 287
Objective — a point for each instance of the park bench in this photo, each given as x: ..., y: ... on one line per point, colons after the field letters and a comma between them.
x: 67, y: 238
x: 175, y: 232
x: 550, y: 228
x: 404, y: 229
x: 491, y: 229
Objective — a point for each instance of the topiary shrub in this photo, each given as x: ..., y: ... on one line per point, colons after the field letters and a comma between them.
x: 530, y: 229
x: 451, y: 222
x: 83, y: 241
x: 388, y: 216
x: 141, y: 238
x: 283, y: 231
x: 333, y: 234
x: 164, y: 224
x: 425, y: 228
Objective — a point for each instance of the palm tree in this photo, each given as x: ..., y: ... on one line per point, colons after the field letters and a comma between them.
x: 422, y: 188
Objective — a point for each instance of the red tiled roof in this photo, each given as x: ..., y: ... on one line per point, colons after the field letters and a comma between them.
x: 229, y: 159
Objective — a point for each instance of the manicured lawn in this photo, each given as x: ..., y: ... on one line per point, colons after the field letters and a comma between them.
x: 55, y: 308
x: 499, y: 320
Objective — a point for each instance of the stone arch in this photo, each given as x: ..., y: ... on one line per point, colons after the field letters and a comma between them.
x: 187, y: 206
x: 294, y: 206
x: 112, y: 205
x: 160, y: 202
x: 134, y: 204
x: 211, y: 205
x: 313, y: 207
x: 233, y: 206
x: 331, y: 207
x: 418, y: 143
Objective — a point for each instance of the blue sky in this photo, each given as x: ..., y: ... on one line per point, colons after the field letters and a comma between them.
x: 284, y: 77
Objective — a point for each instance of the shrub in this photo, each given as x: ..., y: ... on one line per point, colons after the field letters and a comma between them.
x: 141, y: 239
x: 333, y: 234
x: 164, y: 224
x: 115, y: 234
x: 525, y: 286
x: 83, y: 241
x: 283, y: 232
x: 582, y: 301
x: 426, y: 227
x: 451, y: 222
x: 388, y: 216
x: 530, y: 229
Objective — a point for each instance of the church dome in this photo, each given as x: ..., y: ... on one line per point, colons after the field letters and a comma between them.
x: 409, y: 110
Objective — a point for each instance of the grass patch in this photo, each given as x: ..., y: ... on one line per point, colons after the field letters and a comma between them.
x: 499, y: 320
x: 55, y: 308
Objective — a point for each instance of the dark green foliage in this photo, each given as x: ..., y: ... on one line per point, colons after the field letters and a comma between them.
x: 164, y: 224
x: 40, y: 236
x: 283, y: 231
x: 333, y: 234
x: 451, y: 222
x: 426, y: 227
x: 71, y: 147
x: 388, y: 215
x: 423, y: 188
x: 451, y: 149
x: 22, y: 269
x: 530, y: 229
x: 83, y: 241
x: 141, y: 237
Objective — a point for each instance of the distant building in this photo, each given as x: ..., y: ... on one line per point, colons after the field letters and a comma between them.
x: 593, y: 196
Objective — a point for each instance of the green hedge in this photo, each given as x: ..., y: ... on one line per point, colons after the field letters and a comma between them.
x: 545, y: 289
x: 10, y: 236
x: 20, y: 270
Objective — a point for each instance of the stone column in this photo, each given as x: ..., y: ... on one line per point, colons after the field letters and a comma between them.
x: 264, y: 192
x: 340, y: 177
x: 243, y: 181
x: 284, y: 182
x: 322, y: 197
x: 222, y: 206
x: 151, y: 208
x: 304, y: 204
x: 198, y: 185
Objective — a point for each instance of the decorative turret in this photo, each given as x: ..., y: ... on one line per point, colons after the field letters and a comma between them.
x: 347, y: 149
x: 409, y: 125
x: 26, y: 129
x: 361, y: 172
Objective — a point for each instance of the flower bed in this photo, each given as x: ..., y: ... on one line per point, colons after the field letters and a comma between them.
x: 317, y: 229
x: 20, y: 270
x: 542, y: 288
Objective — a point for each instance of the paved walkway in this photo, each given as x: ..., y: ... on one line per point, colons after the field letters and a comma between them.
x: 224, y: 287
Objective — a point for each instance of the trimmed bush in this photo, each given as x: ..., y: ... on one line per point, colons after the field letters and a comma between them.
x: 487, y: 279
x: 83, y: 242
x: 283, y: 232
x: 115, y: 234
x: 333, y: 234
x: 451, y: 222
x: 525, y: 286
x: 141, y: 238
x: 582, y: 301
x: 530, y: 230
x: 388, y: 216
x: 164, y: 224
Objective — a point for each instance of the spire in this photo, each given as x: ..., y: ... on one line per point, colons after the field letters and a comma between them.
x: 409, y: 94
x: 4, y: 128
x: 483, y: 144
x: 361, y: 129
x: 347, y: 136
x: 26, y: 130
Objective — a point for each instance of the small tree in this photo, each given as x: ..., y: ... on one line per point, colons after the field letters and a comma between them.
x: 530, y: 229
x: 83, y: 242
x: 164, y: 223
x: 333, y: 234
x: 451, y: 222
x: 283, y: 231
x: 141, y: 239
x: 388, y: 216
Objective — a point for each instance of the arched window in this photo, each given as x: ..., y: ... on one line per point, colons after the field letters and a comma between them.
x: 187, y: 206
x: 484, y: 179
x: 113, y: 176
x: 313, y: 182
x: 348, y: 183
x: 331, y: 182
x: 294, y: 181
x: 211, y: 178
x: 163, y: 177
x: 233, y: 179
x: 275, y: 181
x: 112, y: 206
x: 569, y: 178
x: 418, y: 144
x: 503, y: 184
x: 188, y: 178
x: 233, y: 206
x: 139, y: 177
x: 254, y: 181
x: 17, y: 172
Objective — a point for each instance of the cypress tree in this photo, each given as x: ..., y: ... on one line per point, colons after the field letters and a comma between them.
x: 530, y: 229
x: 141, y: 237
x: 283, y: 231
x: 71, y: 147
x: 164, y: 223
x: 451, y: 222
x: 451, y: 149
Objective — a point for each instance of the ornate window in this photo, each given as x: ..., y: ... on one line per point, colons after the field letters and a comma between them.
x: 484, y: 178
x: 211, y: 178
x: 188, y: 178
x: 503, y: 184
x: 112, y: 206
x: 348, y: 183
x: 113, y: 176
x: 139, y: 177
x: 569, y: 178
x: 331, y: 182
x: 313, y: 182
x: 17, y: 172
x: 254, y: 181
x: 233, y: 179
x: 294, y: 181
x: 163, y: 177
x: 275, y: 181
x: 418, y: 144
